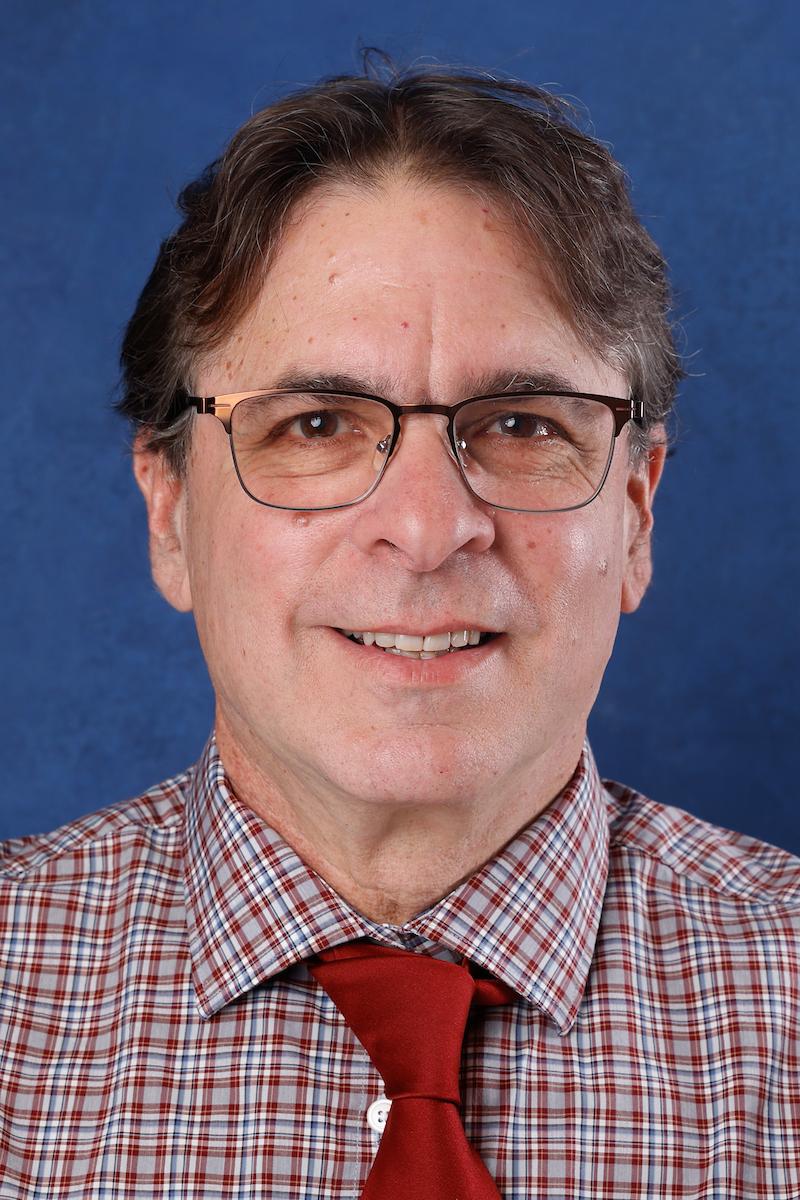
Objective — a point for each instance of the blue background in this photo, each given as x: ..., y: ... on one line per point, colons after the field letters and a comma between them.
x: 107, y: 109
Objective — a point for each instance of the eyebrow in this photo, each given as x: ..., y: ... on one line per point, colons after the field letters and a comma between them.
x: 296, y: 379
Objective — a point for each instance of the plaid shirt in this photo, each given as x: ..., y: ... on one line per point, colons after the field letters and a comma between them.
x: 162, y: 1037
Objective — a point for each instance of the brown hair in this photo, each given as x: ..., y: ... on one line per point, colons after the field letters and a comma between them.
x: 518, y: 143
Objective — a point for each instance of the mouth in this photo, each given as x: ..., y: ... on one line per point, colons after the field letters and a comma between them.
x: 421, y: 646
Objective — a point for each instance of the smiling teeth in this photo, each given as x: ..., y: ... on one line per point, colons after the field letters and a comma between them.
x: 418, y: 645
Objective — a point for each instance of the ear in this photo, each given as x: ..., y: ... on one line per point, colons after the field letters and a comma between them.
x: 165, y: 497
x: 642, y: 483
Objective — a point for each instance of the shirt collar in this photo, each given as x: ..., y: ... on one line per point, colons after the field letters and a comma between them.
x: 529, y: 916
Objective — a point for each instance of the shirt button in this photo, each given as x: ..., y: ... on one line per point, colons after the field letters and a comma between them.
x: 377, y: 1113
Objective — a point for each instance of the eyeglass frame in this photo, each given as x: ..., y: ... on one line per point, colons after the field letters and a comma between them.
x: 623, y: 411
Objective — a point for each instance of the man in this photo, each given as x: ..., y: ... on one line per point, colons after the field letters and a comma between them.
x: 400, y: 383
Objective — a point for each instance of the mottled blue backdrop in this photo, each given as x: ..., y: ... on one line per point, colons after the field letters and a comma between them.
x: 107, y: 109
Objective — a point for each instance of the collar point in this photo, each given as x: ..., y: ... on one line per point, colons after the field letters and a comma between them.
x: 205, y: 1006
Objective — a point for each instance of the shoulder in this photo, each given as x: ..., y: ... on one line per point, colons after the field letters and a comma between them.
x: 101, y: 844
x: 680, y: 854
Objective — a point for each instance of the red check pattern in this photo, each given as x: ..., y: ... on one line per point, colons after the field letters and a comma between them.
x: 162, y: 1037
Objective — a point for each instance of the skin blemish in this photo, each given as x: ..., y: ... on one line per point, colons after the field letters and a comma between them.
x: 355, y: 318
x: 422, y: 217
x: 310, y: 340
x: 602, y: 568
x: 332, y: 277
x: 300, y: 519
x: 404, y: 324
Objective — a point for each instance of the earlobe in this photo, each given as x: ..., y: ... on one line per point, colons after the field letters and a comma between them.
x: 642, y: 485
x: 165, y: 497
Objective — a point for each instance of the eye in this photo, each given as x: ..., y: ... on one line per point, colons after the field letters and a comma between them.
x: 319, y: 424
x: 522, y: 425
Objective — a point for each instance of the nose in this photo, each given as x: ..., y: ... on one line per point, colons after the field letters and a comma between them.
x: 421, y: 507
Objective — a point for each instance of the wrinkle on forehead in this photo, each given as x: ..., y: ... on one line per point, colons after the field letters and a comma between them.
x: 361, y: 280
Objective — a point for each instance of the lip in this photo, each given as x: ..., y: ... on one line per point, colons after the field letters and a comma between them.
x: 444, y: 670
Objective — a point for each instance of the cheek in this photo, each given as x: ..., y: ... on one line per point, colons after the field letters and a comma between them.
x: 229, y: 571
x: 254, y: 572
x: 574, y: 563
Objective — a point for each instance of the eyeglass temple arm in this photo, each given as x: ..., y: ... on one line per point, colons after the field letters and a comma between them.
x: 203, y: 404
x: 636, y: 413
x: 208, y: 404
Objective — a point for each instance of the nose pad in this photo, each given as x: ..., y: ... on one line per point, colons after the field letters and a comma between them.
x: 381, y: 450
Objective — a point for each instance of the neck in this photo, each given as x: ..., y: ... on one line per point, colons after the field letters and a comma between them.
x: 389, y: 861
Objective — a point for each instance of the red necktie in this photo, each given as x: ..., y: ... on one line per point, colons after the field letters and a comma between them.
x: 409, y: 1012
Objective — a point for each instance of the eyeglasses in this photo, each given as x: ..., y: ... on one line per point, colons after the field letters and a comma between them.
x: 526, y: 451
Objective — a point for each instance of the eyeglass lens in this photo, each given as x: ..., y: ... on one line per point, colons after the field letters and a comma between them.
x: 306, y: 450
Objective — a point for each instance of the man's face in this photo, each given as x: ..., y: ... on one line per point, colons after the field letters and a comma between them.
x: 420, y: 293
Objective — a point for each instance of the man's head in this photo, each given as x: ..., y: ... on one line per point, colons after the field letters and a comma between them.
x: 420, y: 237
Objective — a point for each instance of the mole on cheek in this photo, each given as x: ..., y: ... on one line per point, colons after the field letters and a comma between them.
x: 404, y: 324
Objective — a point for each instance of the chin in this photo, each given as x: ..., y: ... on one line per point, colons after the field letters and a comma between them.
x: 416, y: 768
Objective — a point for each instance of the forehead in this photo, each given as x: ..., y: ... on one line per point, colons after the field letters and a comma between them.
x: 413, y: 289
